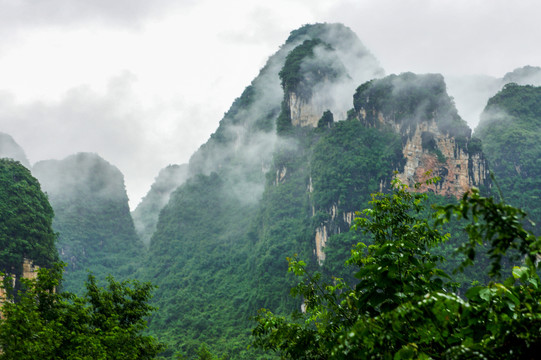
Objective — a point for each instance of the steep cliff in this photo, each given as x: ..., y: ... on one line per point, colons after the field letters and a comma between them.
x: 434, y: 137
x: 321, y: 74
x: 245, y: 207
x: 92, y: 217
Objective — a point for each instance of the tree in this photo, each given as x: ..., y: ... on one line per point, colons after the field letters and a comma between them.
x: 403, y: 306
x: 107, y: 323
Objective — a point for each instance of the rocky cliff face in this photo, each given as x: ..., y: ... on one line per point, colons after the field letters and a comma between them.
x: 30, y: 271
x: 436, y: 141
x: 321, y: 74
x: 443, y: 157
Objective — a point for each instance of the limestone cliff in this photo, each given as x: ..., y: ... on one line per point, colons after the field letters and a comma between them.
x: 30, y: 271
x: 432, y: 141
x: 441, y: 155
x: 320, y: 74
x: 436, y: 141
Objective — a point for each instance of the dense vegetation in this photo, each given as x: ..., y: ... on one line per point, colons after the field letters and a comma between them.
x: 198, y: 258
x: 105, y: 323
x: 38, y: 320
x: 25, y: 220
x: 510, y: 129
x: 92, y: 217
x: 403, y: 306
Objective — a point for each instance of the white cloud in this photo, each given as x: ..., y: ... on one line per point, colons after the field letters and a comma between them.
x: 182, y: 63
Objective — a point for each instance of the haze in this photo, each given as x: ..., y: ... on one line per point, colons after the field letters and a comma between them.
x: 144, y: 84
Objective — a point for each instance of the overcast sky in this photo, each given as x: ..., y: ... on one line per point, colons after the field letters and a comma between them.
x: 144, y: 83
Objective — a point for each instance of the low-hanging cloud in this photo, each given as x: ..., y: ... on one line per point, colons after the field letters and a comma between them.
x: 138, y: 139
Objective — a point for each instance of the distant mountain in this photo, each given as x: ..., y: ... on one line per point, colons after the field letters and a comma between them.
x: 11, y: 150
x: 92, y: 217
x: 471, y: 92
x: 526, y: 75
x: 145, y: 216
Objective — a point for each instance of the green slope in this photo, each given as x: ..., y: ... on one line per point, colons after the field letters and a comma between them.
x: 92, y: 217
x: 510, y: 129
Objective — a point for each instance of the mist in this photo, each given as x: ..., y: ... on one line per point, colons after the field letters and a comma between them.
x: 145, y: 84
x: 471, y: 92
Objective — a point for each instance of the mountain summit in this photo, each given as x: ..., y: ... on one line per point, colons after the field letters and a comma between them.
x: 299, y: 152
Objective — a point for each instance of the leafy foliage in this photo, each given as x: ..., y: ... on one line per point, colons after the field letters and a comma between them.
x: 25, y: 220
x: 402, y: 306
x: 107, y: 323
x: 349, y: 161
x: 198, y: 257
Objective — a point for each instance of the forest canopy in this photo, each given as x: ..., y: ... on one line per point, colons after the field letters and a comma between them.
x: 403, y: 306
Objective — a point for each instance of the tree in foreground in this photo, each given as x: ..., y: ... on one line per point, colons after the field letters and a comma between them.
x: 403, y: 306
x: 106, y: 323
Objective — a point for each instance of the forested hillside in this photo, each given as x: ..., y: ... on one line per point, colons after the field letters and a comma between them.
x: 240, y: 215
x: 25, y: 220
x: 510, y: 129
x: 255, y: 197
x: 92, y: 217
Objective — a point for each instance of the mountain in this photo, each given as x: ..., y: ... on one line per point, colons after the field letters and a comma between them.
x: 299, y: 152
x: 209, y: 235
x: 26, y: 234
x: 510, y: 129
x: 11, y: 150
x: 471, y: 92
x: 145, y: 216
x: 92, y: 217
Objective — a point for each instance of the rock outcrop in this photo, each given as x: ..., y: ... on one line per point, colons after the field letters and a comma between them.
x: 443, y: 157
x: 30, y: 271
x: 436, y: 141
